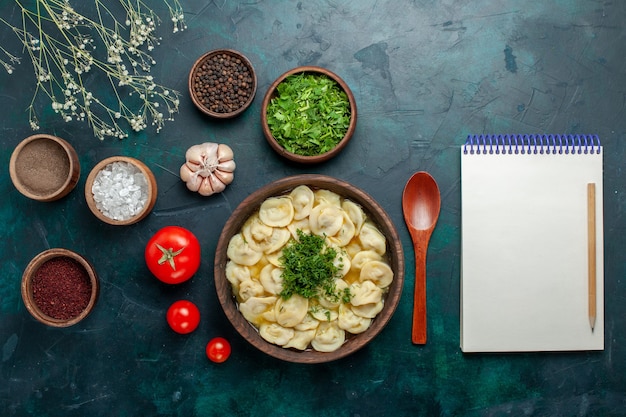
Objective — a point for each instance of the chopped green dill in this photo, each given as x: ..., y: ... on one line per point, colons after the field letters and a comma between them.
x: 346, y: 295
x: 308, y: 267
x: 309, y: 115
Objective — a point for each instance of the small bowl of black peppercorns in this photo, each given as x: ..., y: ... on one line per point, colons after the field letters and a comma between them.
x: 222, y: 83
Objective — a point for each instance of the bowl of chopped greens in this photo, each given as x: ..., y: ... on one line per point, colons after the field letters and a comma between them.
x: 309, y: 269
x: 308, y: 114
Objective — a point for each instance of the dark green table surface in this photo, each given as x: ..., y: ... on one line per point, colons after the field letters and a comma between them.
x: 425, y: 74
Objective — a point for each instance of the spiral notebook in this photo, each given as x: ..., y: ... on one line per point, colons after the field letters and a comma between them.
x: 532, y: 273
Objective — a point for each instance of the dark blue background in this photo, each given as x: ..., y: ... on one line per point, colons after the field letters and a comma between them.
x: 425, y: 74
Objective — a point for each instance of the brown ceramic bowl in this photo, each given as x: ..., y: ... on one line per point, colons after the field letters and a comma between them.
x: 249, y: 206
x: 140, y: 215
x: 314, y: 159
x: 87, y: 282
x: 44, y: 167
x: 237, y: 85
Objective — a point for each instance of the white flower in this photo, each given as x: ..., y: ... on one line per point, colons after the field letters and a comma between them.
x: 60, y: 68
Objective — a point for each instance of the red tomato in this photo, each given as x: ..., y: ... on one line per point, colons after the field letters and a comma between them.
x: 173, y: 254
x: 183, y: 316
x: 218, y: 349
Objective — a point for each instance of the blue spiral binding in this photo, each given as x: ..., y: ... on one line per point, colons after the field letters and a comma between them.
x: 532, y: 144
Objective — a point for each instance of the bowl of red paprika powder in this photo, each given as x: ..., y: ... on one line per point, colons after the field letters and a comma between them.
x: 222, y: 83
x: 59, y: 287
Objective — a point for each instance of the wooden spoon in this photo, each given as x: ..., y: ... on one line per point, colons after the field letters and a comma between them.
x: 421, y: 203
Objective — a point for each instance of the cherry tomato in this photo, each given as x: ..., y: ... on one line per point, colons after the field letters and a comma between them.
x: 218, y: 349
x: 173, y: 254
x: 183, y: 316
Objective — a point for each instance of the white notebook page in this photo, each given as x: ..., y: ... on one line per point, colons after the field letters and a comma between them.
x: 524, y: 271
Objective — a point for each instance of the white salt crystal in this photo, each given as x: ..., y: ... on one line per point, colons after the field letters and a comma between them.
x: 120, y: 190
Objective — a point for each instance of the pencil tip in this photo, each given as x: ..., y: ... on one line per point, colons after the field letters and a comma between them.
x: 592, y: 323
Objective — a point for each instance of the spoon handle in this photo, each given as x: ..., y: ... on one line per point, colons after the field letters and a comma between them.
x: 418, y: 330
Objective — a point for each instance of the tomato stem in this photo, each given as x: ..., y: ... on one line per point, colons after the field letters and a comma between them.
x: 168, y: 255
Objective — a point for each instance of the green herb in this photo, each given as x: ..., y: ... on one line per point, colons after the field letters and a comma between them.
x: 309, y: 115
x: 309, y: 267
x: 346, y: 296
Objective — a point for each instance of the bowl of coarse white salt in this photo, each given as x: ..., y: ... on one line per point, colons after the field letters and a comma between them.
x: 120, y: 190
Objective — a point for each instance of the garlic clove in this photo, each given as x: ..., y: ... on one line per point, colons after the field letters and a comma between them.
x: 186, y: 174
x: 227, y: 166
x: 205, y: 188
x: 217, y: 185
x: 224, y: 153
x: 193, y: 184
x: 193, y: 165
x: 225, y: 177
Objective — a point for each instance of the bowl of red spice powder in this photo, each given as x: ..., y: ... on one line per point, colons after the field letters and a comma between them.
x: 59, y: 287
x: 222, y: 83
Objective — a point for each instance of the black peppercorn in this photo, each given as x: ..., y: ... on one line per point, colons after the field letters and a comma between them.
x: 224, y: 81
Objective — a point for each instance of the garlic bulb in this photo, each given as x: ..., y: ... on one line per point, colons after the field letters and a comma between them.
x: 209, y: 168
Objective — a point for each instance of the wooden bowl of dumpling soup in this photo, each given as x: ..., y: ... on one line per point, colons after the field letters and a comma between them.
x: 270, y: 312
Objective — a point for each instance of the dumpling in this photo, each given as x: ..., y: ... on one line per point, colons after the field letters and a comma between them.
x: 355, y: 212
x: 323, y: 314
x: 250, y: 288
x: 274, y: 257
x: 378, y: 272
x: 364, y: 256
x: 241, y: 252
x: 263, y: 238
x: 275, y: 333
x: 302, y: 225
x: 333, y: 302
x: 302, y: 198
x: 308, y: 323
x: 277, y: 240
x: 368, y: 310
x: 276, y: 211
x: 269, y: 315
x: 346, y: 232
x: 236, y: 273
x: 291, y: 311
x: 301, y: 339
x: 326, y: 219
x: 255, y: 232
x: 253, y: 308
x: 371, y: 238
x: 271, y: 279
x: 255, y: 271
x: 323, y: 196
x: 350, y: 322
x: 328, y: 337
x: 353, y: 248
x: 365, y: 293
